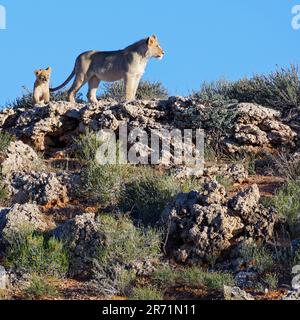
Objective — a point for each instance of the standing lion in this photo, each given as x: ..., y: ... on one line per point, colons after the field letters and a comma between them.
x: 128, y: 64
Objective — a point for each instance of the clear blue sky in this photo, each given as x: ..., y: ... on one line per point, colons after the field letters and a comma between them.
x: 203, y: 39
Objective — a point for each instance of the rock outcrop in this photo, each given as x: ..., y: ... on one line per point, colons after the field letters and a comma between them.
x: 19, y: 219
x: 203, y: 225
x: 258, y: 128
x: 53, y: 126
x: 83, y: 240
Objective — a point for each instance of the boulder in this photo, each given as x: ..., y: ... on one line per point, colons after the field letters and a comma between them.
x: 83, y: 240
x: 20, y: 219
x: 204, y: 225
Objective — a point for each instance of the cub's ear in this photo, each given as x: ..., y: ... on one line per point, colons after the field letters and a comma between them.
x: 154, y: 37
x: 49, y: 69
x: 150, y: 41
x: 37, y: 72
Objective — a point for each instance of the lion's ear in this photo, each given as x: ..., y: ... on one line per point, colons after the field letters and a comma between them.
x: 36, y: 72
x: 49, y: 69
x: 150, y: 41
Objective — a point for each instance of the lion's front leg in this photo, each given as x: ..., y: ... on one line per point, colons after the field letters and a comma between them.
x: 129, y: 87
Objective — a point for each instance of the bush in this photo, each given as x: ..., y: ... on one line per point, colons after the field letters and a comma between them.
x: 258, y: 257
x: 144, y: 294
x: 146, y: 91
x: 127, y: 244
x: 286, y: 202
x: 280, y: 90
x: 193, y: 277
x: 147, y: 193
x: 102, y: 183
x: 286, y: 166
x: 5, y: 140
x: 196, y: 277
x: 271, y: 280
x: 40, y: 288
x: 33, y: 254
x: 3, y: 192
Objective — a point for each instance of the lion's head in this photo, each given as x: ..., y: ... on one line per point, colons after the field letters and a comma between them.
x: 43, y: 74
x: 154, y: 48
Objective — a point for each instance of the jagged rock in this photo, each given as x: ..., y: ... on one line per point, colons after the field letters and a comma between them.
x: 257, y: 128
x: 237, y: 173
x: 292, y: 296
x: 204, y: 225
x: 4, y: 279
x: 200, y: 227
x: 53, y: 126
x: 234, y: 172
x: 259, y: 221
x: 246, y: 201
x: 83, y: 240
x: 21, y: 218
x: 235, y: 293
x: 20, y: 157
x: 39, y: 187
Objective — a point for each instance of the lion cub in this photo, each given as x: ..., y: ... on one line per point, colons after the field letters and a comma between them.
x: 41, y: 92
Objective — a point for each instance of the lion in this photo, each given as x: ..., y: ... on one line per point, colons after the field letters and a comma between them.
x: 41, y: 91
x: 128, y: 64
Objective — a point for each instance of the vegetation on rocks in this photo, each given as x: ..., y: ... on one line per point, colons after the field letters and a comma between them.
x: 152, y: 232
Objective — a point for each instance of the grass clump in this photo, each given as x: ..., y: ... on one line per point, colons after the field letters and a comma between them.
x: 125, y: 243
x: 271, y: 280
x: 40, y: 288
x: 5, y: 140
x: 147, y: 90
x: 34, y: 254
x: 146, y: 293
x: 286, y: 202
x: 147, y: 193
x: 193, y: 277
x: 258, y: 257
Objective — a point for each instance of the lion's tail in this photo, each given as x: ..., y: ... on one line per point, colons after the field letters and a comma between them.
x: 65, y: 83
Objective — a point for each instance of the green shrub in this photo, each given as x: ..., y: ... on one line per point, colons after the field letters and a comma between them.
x: 125, y: 280
x: 279, y: 89
x: 33, y: 254
x: 271, y: 280
x: 285, y: 166
x: 3, y: 192
x: 286, y: 202
x: 102, y: 183
x: 145, y: 294
x: 87, y: 145
x: 193, y: 277
x: 146, y: 91
x: 258, y: 257
x: 40, y: 288
x: 147, y: 193
x: 5, y: 140
x: 164, y: 276
x: 126, y: 244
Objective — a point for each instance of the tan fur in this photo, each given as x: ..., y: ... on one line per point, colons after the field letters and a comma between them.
x: 128, y: 64
x: 41, y: 91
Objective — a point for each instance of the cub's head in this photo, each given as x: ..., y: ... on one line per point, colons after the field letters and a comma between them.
x: 154, y: 48
x: 43, y: 74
